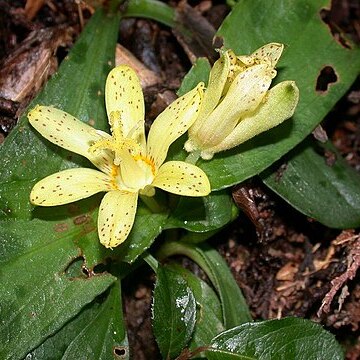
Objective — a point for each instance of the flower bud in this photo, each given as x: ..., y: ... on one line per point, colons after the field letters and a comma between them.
x: 238, y: 104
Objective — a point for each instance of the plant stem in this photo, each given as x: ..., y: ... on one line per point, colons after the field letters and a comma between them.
x: 151, y: 261
x: 193, y: 157
x: 152, y: 204
x: 151, y: 9
x: 171, y: 248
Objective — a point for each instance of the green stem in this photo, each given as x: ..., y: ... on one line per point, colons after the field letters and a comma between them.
x: 171, y: 248
x: 152, y: 204
x: 193, y: 157
x: 151, y: 9
x: 151, y: 261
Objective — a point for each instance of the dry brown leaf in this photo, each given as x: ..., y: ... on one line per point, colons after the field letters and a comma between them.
x: 125, y: 57
x: 32, y: 7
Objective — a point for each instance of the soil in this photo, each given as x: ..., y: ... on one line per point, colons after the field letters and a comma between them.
x: 285, y: 263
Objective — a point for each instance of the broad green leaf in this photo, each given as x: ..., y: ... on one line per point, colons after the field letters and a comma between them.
x: 209, y: 315
x: 202, y: 214
x: 289, y: 338
x: 38, y: 295
x: 234, y: 308
x: 174, y: 312
x: 96, y: 333
x: 20, y: 237
x: 329, y: 193
x: 310, y: 47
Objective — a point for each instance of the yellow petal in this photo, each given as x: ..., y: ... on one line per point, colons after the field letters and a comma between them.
x: 174, y: 121
x: 116, y: 217
x: 125, y: 103
x: 69, y: 133
x: 68, y: 186
x: 269, y: 53
x: 217, y: 79
x: 279, y: 105
x: 181, y: 178
x: 244, y: 96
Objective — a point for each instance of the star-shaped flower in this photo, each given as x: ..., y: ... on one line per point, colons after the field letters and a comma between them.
x: 128, y: 164
x: 238, y: 104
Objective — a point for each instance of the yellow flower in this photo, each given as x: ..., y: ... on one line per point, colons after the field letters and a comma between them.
x: 238, y: 104
x: 128, y: 165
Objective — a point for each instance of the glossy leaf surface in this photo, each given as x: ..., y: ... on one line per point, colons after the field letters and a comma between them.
x: 202, y: 214
x: 38, y: 294
x: 234, y: 308
x: 97, y: 332
x: 289, y: 338
x: 174, y: 312
x: 327, y: 192
x: 209, y: 315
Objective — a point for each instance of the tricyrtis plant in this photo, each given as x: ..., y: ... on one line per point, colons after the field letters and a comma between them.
x: 70, y: 294
x: 128, y: 165
x: 237, y: 103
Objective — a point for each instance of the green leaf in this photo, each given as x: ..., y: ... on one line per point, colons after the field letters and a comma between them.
x: 38, y: 294
x: 96, y: 333
x: 309, y: 48
x: 327, y: 193
x: 199, y: 72
x: 209, y: 315
x: 174, y: 312
x: 289, y: 338
x: 202, y: 214
x: 234, y: 308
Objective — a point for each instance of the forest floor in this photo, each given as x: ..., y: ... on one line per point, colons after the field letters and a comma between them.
x: 285, y: 263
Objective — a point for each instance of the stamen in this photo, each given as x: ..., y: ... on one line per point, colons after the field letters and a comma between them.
x: 136, y: 130
x: 102, y: 145
x: 116, y: 126
x: 117, y: 147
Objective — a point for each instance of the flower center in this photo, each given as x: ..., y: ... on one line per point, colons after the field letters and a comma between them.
x: 131, y: 170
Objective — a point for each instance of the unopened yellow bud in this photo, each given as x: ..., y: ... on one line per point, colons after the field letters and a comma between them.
x: 238, y: 104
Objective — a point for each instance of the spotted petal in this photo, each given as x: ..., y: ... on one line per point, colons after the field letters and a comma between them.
x: 125, y: 103
x: 245, y: 94
x: 217, y: 80
x: 269, y: 53
x: 181, y: 178
x: 116, y: 217
x: 173, y: 122
x: 70, y: 133
x: 68, y: 186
